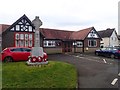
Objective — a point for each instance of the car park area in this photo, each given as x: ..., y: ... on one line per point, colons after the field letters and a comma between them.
x: 93, y: 71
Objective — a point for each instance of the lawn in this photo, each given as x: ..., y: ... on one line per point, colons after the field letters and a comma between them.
x: 53, y: 75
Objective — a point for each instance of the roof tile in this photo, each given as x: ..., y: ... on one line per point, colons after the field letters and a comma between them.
x: 106, y: 33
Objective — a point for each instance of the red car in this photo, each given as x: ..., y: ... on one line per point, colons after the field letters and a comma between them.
x: 17, y: 54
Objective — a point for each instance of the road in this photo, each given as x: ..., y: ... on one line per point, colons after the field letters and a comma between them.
x: 93, y: 71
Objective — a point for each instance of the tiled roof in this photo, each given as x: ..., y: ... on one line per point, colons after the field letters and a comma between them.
x: 118, y: 37
x: 81, y: 34
x: 66, y: 35
x: 3, y: 27
x: 106, y: 33
x: 56, y: 34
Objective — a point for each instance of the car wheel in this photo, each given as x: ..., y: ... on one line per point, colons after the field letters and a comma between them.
x: 8, y: 59
x: 97, y: 53
x: 112, y: 56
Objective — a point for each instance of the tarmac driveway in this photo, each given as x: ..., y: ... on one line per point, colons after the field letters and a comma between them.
x: 93, y: 71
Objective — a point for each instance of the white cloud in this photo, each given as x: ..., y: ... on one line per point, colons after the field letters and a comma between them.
x: 63, y: 14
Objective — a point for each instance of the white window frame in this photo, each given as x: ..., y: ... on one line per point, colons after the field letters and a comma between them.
x: 49, y: 43
x: 26, y: 43
x: 17, y: 43
x: 30, y: 43
x: 30, y: 36
x: 17, y: 36
x: 79, y: 44
x: 21, y: 40
x: 90, y: 43
x: 21, y: 36
x: 26, y: 36
x: 30, y: 28
x: 17, y: 28
x: 21, y: 43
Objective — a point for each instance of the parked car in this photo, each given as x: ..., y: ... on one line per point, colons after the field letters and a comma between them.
x: 113, y: 52
x: 17, y: 54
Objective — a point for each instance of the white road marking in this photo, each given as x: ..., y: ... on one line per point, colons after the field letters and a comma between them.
x: 77, y: 56
x: 114, y: 81
x: 119, y: 74
x: 91, y: 59
x: 104, y: 61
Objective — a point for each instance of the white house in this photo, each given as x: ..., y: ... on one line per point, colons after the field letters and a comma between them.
x: 109, y: 37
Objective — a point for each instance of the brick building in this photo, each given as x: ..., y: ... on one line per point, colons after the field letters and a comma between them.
x: 21, y: 34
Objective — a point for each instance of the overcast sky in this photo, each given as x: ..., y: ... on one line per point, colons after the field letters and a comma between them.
x: 63, y: 14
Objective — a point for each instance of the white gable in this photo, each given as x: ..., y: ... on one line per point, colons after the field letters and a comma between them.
x: 22, y: 24
x: 113, y: 39
x: 93, y: 34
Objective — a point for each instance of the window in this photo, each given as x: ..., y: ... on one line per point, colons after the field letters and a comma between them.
x: 16, y: 50
x: 17, y: 43
x: 92, y: 43
x: 17, y: 27
x: 21, y: 43
x: 22, y: 36
x: 45, y: 44
x: 30, y: 28
x: 26, y: 36
x: 30, y: 36
x: 49, y: 43
x: 24, y: 40
x: 17, y: 36
x: 79, y: 44
x: 26, y: 43
x: 30, y: 43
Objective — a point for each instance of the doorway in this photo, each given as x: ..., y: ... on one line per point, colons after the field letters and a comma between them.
x: 67, y: 46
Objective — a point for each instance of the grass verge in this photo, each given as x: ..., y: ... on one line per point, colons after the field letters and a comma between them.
x: 52, y: 75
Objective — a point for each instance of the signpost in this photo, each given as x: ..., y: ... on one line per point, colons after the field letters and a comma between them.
x: 37, y: 54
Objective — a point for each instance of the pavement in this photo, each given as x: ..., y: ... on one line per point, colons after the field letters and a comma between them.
x: 93, y: 71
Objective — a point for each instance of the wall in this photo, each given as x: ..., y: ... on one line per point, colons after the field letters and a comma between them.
x: 91, y: 49
x: 114, y: 40
x: 105, y: 41
x: 7, y: 40
x: 55, y: 49
x: 77, y: 50
x: 52, y: 50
